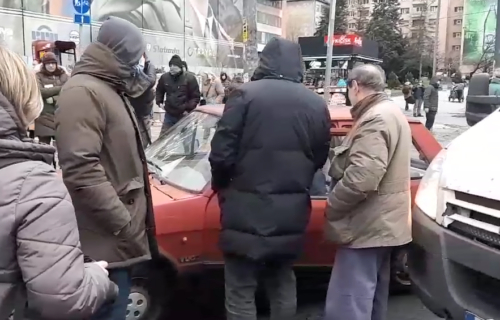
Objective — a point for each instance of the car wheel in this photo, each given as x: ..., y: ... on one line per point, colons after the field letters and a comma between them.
x: 149, y: 298
x: 400, y: 278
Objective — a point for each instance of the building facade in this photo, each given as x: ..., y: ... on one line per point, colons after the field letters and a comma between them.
x: 206, y: 33
x: 269, y: 21
x: 303, y: 17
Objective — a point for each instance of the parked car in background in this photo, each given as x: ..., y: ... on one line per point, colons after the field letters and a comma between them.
x: 188, y: 217
x: 454, y: 258
x: 479, y: 104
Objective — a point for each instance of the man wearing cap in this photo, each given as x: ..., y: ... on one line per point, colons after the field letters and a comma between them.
x: 177, y: 92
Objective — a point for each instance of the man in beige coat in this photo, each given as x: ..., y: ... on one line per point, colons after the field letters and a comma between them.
x: 368, y: 207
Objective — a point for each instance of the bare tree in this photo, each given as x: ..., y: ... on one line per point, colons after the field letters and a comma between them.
x: 423, y: 35
x: 296, y: 25
x: 485, y: 61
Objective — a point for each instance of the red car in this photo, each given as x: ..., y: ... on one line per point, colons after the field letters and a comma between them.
x: 187, y: 212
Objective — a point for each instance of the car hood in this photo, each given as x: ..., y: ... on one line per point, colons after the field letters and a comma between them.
x: 161, y: 192
x: 473, y: 160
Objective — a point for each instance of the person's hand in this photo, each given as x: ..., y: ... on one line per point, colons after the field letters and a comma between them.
x: 426, y: 110
x: 103, y: 265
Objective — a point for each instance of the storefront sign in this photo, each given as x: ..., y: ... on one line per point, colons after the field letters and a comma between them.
x: 346, y: 40
x: 6, y: 34
x: 161, y: 49
x: 201, y: 52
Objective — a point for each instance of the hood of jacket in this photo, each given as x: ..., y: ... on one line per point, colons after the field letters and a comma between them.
x: 280, y: 59
x: 14, y: 143
x: 115, y: 56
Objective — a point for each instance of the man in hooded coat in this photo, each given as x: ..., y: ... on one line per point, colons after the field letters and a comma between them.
x: 273, y: 136
x: 102, y: 158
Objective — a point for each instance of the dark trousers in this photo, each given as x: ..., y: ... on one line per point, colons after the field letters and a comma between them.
x: 118, y: 309
x: 359, y: 284
x: 430, y: 117
x: 241, y: 279
x: 169, y: 121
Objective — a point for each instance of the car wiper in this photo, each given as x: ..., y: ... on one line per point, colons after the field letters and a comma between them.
x: 154, y: 165
x: 157, y: 172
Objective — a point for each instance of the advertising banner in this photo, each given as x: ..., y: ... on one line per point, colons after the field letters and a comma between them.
x: 479, y: 21
x: 205, y: 33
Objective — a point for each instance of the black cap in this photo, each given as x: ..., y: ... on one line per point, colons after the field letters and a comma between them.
x: 185, y: 65
x: 175, y: 61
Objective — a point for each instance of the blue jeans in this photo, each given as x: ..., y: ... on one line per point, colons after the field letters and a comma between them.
x: 169, y: 121
x: 117, y: 310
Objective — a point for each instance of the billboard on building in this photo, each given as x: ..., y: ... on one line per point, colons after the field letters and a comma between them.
x: 205, y: 33
x: 479, y: 23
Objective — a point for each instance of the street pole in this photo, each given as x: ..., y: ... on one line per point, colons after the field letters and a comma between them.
x: 329, y: 52
x: 497, y: 38
x: 436, y: 40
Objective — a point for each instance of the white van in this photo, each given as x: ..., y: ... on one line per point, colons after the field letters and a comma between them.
x: 454, y: 260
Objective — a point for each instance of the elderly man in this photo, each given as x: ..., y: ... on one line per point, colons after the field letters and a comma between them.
x: 368, y: 207
x: 431, y: 103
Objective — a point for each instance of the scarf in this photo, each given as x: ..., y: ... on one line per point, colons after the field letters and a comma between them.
x: 366, y: 104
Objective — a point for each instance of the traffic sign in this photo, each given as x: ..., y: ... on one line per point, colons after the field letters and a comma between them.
x: 81, y: 6
x: 81, y: 18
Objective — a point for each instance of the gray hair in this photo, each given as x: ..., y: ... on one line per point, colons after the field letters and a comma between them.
x: 496, y: 73
x: 368, y: 76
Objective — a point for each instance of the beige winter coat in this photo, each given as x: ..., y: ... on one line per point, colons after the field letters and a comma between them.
x: 213, y: 92
x: 370, y: 204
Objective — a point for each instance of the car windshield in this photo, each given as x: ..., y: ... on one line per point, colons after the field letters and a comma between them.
x: 180, y: 157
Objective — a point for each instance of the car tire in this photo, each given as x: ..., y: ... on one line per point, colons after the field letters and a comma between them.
x: 150, y: 295
x: 400, y: 279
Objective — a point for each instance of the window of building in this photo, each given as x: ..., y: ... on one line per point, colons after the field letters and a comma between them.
x: 457, y: 22
x: 419, y: 8
x: 404, y: 10
x: 364, y: 1
x: 457, y: 34
x: 351, y: 25
x: 405, y: 23
x: 352, y: 13
x: 364, y: 13
x: 459, y: 9
x: 434, y: 8
x: 455, y: 48
x: 275, y: 4
x: 432, y: 22
x: 268, y: 19
x: 417, y: 23
x: 265, y: 37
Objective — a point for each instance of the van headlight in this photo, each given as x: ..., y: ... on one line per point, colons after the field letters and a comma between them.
x: 429, y: 190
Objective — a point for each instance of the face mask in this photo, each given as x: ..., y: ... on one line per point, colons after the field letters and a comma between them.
x: 175, y: 70
x: 184, y: 69
x: 50, y: 67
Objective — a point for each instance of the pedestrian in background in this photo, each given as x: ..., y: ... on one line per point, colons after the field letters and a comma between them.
x: 102, y: 158
x: 418, y: 95
x: 212, y: 89
x: 368, y: 207
x: 431, y: 101
x: 41, y: 264
x: 407, y: 95
x: 143, y: 104
x: 235, y: 84
x: 177, y: 92
x: 273, y: 136
x: 51, y: 77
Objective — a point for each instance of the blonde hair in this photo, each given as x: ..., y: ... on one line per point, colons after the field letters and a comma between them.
x: 19, y: 85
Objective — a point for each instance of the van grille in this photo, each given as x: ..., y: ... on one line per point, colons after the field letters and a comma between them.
x: 488, y: 238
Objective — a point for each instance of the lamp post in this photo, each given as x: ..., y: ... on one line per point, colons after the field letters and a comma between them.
x: 329, y: 52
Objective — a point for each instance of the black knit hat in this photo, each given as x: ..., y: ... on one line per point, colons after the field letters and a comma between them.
x: 185, y: 65
x: 175, y: 61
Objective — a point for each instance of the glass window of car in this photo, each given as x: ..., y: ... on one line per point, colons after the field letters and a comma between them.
x: 180, y: 157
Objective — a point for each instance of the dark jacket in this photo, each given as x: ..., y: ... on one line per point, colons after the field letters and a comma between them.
x: 431, y: 96
x: 50, y: 85
x: 143, y: 105
x: 418, y: 92
x: 182, y: 93
x: 273, y: 136
x: 103, y: 162
x: 41, y: 261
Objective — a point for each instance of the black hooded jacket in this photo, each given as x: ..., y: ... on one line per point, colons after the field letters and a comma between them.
x: 273, y: 136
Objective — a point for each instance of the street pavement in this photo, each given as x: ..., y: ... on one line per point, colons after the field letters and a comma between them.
x: 450, y: 122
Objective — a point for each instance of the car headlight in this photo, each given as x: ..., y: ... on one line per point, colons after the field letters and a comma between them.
x: 429, y: 190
